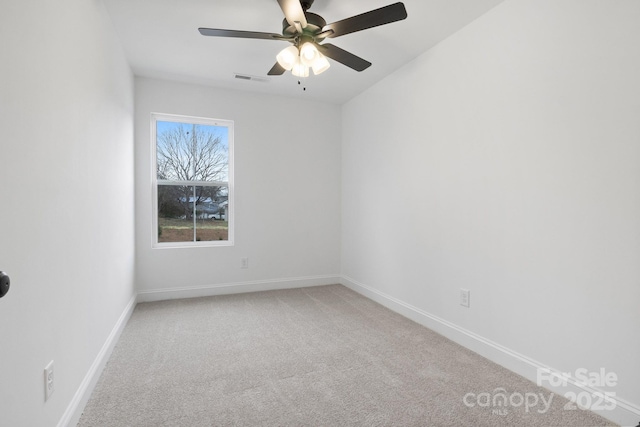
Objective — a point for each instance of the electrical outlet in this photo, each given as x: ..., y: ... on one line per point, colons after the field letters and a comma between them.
x: 48, y: 381
x: 464, y: 297
x: 244, y: 263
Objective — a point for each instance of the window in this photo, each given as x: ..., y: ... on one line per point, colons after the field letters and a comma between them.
x: 192, y: 182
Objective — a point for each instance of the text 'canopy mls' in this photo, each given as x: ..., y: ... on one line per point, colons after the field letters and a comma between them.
x: 192, y: 152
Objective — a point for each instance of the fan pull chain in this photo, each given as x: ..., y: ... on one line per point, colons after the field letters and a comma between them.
x: 304, y: 86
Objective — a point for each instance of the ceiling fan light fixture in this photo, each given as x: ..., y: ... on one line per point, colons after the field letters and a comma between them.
x: 308, y: 54
x: 320, y: 65
x: 288, y: 57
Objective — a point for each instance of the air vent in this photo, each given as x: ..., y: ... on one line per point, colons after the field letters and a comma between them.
x: 250, y: 78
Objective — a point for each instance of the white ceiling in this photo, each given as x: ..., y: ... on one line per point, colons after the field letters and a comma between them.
x: 161, y: 39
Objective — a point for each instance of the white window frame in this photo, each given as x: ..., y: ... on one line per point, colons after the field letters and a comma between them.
x: 229, y: 124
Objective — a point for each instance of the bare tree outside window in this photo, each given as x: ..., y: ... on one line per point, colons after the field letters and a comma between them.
x: 191, y: 153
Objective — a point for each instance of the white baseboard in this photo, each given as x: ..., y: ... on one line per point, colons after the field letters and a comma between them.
x: 72, y: 415
x: 624, y: 413
x: 235, y: 288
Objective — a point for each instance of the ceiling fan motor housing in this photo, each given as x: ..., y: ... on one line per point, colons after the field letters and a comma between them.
x: 315, y: 24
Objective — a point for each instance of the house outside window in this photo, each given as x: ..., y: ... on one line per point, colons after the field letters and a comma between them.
x: 192, y: 181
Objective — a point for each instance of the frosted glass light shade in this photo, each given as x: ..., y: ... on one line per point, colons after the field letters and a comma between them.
x: 288, y: 57
x: 321, y: 64
x: 300, y: 70
x: 308, y: 54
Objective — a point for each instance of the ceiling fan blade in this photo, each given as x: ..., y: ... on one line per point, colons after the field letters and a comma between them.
x: 384, y: 15
x: 215, y: 32
x: 276, y: 70
x: 343, y: 57
x: 293, y: 12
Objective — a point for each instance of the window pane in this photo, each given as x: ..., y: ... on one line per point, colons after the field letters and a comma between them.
x: 211, y: 209
x: 192, y: 213
x: 192, y: 152
x: 175, y: 217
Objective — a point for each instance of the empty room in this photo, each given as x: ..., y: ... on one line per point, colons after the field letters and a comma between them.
x: 319, y: 213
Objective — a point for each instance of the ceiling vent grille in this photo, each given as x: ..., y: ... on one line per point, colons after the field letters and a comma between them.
x: 248, y: 77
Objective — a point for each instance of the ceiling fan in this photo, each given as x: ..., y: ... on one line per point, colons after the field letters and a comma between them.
x: 306, y: 30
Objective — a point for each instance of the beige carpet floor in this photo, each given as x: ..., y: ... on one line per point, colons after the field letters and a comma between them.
x: 321, y: 356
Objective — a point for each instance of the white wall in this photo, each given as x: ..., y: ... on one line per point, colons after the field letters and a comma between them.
x: 505, y: 161
x: 287, y: 180
x: 66, y: 200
